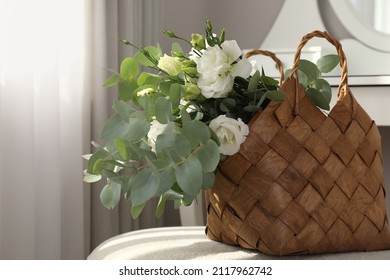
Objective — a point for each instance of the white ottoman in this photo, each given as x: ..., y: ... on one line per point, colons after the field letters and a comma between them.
x: 191, y: 243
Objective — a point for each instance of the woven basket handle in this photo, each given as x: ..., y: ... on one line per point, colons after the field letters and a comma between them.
x: 343, y: 87
x: 271, y: 55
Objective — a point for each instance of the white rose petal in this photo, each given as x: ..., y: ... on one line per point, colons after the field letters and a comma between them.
x: 156, y: 128
x: 243, y: 68
x: 232, y: 49
x: 230, y: 132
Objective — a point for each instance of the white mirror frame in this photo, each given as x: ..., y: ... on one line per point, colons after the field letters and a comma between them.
x: 361, y: 31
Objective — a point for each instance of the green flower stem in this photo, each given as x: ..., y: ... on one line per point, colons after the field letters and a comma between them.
x: 173, y: 35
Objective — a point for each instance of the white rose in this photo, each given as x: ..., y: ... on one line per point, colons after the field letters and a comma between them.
x: 217, y: 69
x: 156, y: 128
x: 230, y: 132
x: 170, y: 65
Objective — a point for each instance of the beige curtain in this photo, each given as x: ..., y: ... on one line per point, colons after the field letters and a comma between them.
x: 138, y: 22
x: 53, y: 56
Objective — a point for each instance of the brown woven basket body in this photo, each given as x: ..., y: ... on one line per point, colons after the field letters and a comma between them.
x: 303, y: 182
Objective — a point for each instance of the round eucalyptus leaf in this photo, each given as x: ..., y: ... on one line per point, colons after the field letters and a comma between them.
x: 173, y: 144
x: 328, y: 62
x: 129, y: 68
x: 208, y: 180
x: 196, y: 132
x: 318, y: 98
x: 163, y: 110
x: 144, y: 186
x: 209, y: 156
x: 189, y: 176
x: 111, y: 81
x: 324, y: 87
x: 136, y: 210
x: 275, y: 95
x: 110, y: 195
x: 310, y: 69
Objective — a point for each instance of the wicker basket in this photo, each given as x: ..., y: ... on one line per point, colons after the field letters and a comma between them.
x: 303, y: 182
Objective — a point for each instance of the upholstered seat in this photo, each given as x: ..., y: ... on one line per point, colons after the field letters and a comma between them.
x: 190, y: 243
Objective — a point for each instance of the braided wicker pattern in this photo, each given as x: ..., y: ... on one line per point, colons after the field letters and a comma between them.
x: 303, y: 182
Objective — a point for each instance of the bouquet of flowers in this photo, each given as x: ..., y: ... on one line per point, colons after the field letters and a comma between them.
x: 174, y: 124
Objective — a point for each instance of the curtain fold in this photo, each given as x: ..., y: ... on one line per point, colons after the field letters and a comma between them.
x: 53, y: 60
x: 138, y: 22
x: 42, y: 100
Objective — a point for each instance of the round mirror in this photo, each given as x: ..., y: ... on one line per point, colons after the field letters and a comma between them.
x: 371, y: 28
x: 374, y: 13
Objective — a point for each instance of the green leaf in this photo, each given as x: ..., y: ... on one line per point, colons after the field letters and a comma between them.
x: 126, y: 89
x: 261, y: 100
x: 318, y: 98
x: 173, y: 195
x: 196, y: 132
x: 229, y: 102
x: 165, y: 87
x: 251, y: 108
x: 129, y: 68
x: 110, y: 195
x: 133, y: 129
x: 175, y: 92
x: 139, y: 153
x: 208, y: 180
x: 111, y: 81
x: 208, y: 155
x: 177, y: 203
x: 324, y: 87
x: 310, y: 69
x: 187, y: 199
x: 91, y: 178
x: 150, y: 59
x: 148, y: 79
x: 166, y: 173
x: 302, y: 76
x: 167, y: 179
x: 269, y: 81
x: 189, y: 176
x: 114, y: 127
x: 144, y: 186
x: 101, y: 165
x: 121, y: 147
x: 185, y: 116
x: 173, y: 145
x: 163, y: 110
x: 115, y: 177
x: 328, y: 62
x: 136, y: 210
x: 100, y: 154
x: 160, y: 207
x: 276, y: 95
x: 138, y: 126
x: 254, y: 81
x: 123, y: 109
x: 176, y: 48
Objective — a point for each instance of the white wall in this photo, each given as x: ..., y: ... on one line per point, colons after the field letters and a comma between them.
x: 247, y: 21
